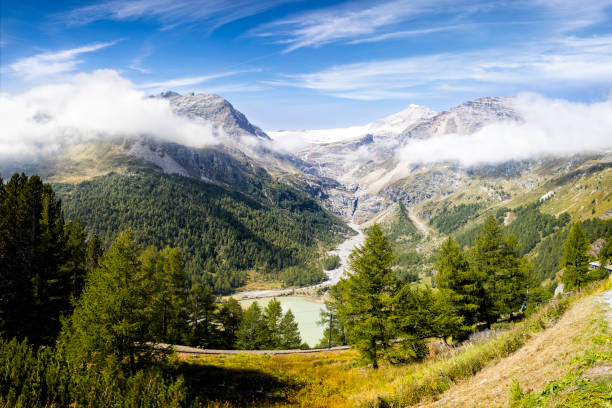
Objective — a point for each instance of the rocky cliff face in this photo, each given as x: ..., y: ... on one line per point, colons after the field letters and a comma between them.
x: 464, y: 119
x: 213, y: 109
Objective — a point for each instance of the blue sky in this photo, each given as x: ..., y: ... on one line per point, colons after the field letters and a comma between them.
x: 316, y: 64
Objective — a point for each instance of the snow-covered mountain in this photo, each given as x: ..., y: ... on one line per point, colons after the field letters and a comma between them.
x: 389, y: 126
x: 214, y: 109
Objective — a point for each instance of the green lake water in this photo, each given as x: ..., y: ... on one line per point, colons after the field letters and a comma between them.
x: 306, y: 314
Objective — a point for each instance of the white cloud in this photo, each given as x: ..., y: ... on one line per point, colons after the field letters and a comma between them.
x: 549, y: 127
x: 409, y: 33
x: 187, y: 81
x: 587, y: 61
x: 53, y: 63
x: 171, y: 13
x: 96, y: 106
x: 345, y: 22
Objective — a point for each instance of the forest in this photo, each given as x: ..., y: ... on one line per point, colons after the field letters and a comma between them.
x: 82, y: 324
x: 221, y: 233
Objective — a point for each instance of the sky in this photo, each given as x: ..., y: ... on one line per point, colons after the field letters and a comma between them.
x: 315, y: 64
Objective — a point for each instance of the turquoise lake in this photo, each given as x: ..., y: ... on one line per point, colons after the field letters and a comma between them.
x: 306, y: 314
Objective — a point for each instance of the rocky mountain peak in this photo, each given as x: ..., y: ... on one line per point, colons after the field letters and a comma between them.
x: 215, y: 109
x: 464, y: 119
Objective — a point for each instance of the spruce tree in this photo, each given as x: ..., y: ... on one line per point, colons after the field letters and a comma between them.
x: 365, y: 307
x: 575, y: 259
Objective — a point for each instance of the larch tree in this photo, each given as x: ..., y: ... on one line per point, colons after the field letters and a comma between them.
x: 455, y: 275
x: 575, y: 259
x: 496, y: 262
x: 289, y: 332
x: 365, y: 307
x: 111, y: 320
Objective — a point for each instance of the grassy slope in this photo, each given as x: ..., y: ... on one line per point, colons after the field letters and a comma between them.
x: 544, y: 358
x: 336, y: 379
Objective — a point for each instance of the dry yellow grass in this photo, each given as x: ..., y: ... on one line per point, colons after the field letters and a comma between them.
x: 546, y: 357
x: 335, y: 379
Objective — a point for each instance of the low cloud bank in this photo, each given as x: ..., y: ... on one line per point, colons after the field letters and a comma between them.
x: 90, y: 107
x: 549, y: 127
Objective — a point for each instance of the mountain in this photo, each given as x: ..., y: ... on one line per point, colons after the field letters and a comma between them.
x: 215, y: 110
x: 463, y: 119
x: 237, y: 208
x: 391, y: 125
x: 353, y: 172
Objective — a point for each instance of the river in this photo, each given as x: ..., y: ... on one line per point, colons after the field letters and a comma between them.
x: 305, y: 308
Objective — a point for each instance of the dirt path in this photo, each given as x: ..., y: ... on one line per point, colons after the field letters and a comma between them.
x: 420, y: 224
x: 193, y: 351
x: 607, y: 298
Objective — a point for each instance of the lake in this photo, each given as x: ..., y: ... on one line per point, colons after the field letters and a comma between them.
x: 306, y: 314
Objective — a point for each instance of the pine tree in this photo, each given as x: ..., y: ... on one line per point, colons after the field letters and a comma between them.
x: 289, y: 332
x: 366, y: 295
x: 575, y: 259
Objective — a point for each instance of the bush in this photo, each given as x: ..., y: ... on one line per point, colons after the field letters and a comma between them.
x: 41, y: 377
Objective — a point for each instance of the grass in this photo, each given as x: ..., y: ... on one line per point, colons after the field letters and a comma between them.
x: 336, y: 379
x: 544, y: 358
x: 587, y: 382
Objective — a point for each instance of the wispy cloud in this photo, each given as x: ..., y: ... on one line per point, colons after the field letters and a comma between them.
x: 409, y: 33
x: 137, y: 61
x: 570, y: 16
x: 359, y: 22
x: 345, y: 23
x: 53, y: 63
x: 170, y: 13
x: 177, y: 83
x: 584, y: 60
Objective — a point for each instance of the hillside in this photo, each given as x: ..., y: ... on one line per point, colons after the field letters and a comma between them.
x: 223, y: 233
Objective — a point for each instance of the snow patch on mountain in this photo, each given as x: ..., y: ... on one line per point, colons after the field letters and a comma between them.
x: 389, y: 126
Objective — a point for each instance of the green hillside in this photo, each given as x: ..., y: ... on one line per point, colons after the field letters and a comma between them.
x: 223, y: 234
